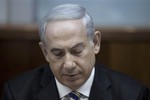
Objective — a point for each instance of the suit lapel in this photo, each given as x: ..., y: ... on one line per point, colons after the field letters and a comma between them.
x: 49, y: 92
x: 101, y: 86
x: 48, y: 86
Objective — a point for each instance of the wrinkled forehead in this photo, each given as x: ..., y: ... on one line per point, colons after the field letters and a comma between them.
x: 65, y: 24
x: 66, y: 32
x: 65, y: 28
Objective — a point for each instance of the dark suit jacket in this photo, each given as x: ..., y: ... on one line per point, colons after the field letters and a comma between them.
x: 39, y: 84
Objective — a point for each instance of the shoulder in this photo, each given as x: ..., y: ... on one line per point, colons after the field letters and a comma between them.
x: 121, y: 86
x: 29, y: 79
x: 28, y: 84
x: 120, y: 81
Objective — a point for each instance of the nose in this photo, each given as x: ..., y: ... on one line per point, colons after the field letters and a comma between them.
x: 69, y: 63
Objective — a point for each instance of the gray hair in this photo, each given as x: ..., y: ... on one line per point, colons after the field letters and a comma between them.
x: 68, y: 12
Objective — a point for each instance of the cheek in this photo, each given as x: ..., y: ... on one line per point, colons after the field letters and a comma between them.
x: 53, y: 61
x: 55, y: 66
x: 89, y: 57
x: 87, y: 62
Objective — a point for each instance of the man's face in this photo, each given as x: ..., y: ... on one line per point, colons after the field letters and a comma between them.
x: 69, y: 52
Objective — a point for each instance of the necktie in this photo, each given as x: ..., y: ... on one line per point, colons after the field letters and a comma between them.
x: 75, y: 95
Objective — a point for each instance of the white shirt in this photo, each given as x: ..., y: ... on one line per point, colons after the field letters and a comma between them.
x: 84, y: 89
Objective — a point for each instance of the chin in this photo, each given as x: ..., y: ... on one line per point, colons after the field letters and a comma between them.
x: 74, y: 85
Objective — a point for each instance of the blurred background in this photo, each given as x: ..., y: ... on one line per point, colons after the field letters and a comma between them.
x: 124, y: 24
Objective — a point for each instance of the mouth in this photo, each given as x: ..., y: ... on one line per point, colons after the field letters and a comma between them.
x: 71, y: 77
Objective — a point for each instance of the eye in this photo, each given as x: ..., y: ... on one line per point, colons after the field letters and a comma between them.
x: 57, y: 52
x: 77, y: 50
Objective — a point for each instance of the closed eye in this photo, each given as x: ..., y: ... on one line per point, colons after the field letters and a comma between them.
x: 57, y: 52
x: 77, y: 49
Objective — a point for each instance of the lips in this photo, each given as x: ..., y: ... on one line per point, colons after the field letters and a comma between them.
x: 71, y: 77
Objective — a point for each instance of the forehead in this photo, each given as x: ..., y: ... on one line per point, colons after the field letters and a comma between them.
x: 66, y: 27
x: 68, y: 32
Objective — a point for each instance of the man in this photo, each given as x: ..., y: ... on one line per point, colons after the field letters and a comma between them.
x: 69, y: 44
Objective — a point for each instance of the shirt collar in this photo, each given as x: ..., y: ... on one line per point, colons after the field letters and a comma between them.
x: 84, y: 89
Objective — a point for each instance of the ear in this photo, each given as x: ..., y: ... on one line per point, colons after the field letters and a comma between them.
x: 97, y: 41
x: 43, y: 48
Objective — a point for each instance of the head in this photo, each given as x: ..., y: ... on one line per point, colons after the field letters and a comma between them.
x: 69, y: 43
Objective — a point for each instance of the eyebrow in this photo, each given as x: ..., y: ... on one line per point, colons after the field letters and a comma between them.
x: 58, y: 49
x: 77, y: 45
x: 55, y: 49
